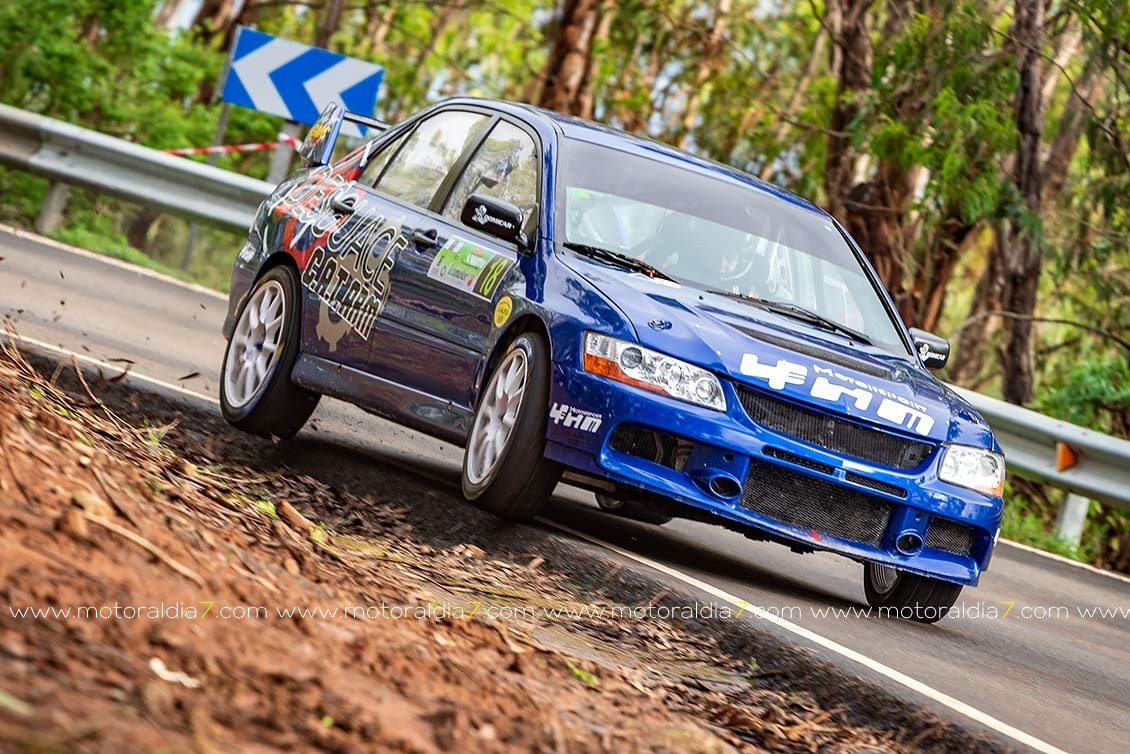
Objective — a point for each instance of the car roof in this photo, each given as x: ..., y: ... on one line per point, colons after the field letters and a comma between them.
x: 579, y: 129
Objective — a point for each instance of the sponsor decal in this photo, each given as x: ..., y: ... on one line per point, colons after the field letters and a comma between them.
x: 469, y: 267
x: 926, y: 354
x: 575, y: 418
x: 502, y: 311
x: 833, y: 387
x: 781, y: 374
x: 350, y: 253
x: 482, y: 216
x: 327, y: 329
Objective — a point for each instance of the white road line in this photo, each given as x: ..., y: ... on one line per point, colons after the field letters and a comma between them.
x: 113, y: 368
x: 832, y: 646
x: 1067, y: 561
x: 111, y: 261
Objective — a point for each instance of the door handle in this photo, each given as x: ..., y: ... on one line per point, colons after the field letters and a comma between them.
x: 346, y: 205
x: 425, y: 240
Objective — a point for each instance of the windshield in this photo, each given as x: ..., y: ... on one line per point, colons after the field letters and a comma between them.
x: 715, y: 235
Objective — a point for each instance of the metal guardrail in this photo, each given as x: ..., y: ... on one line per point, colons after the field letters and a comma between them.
x: 81, y: 157
x: 1030, y: 442
x: 78, y: 156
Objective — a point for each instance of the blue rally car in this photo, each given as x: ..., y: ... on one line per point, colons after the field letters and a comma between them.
x: 559, y: 297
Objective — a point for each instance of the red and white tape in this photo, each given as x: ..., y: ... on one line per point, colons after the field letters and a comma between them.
x: 265, y: 146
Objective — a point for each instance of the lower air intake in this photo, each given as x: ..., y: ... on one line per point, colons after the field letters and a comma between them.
x: 950, y: 536
x: 652, y: 445
x: 798, y: 499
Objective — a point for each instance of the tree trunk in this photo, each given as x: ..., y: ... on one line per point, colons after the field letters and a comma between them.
x: 800, y: 89
x: 989, y: 295
x: 851, y: 58
x: 1020, y: 244
x: 1088, y: 87
x: 874, y: 213
x: 168, y: 11
x: 980, y: 326
x: 331, y: 21
x: 707, y: 62
x: 562, y: 88
x: 213, y: 19
x: 586, y: 103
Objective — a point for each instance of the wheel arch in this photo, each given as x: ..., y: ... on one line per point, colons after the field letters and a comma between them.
x: 528, y: 322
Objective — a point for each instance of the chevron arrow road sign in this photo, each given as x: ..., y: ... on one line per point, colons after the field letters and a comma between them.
x: 295, y: 81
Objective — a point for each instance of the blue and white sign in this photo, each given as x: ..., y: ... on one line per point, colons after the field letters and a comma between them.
x: 295, y: 81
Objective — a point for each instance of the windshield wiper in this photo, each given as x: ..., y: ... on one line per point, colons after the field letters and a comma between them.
x: 616, y: 258
x: 807, y: 315
x: 802, y: 314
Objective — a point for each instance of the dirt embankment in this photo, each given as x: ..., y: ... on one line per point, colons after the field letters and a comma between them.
x: 158, y: 594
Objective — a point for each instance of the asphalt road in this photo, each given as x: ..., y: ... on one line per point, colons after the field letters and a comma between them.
x: 1046, y: 669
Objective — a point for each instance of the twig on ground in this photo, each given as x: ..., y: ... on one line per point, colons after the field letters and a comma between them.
x: 149, y: 547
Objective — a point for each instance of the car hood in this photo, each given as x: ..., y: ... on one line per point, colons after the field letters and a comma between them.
x: 780, y: 355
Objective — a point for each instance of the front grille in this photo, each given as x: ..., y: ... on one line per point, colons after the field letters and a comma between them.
x: 808, y: 463
x: 875, y: 484
x: 795, y: 498
x: 950, y: 536
x: 832, y: 433
x: 652, y: 445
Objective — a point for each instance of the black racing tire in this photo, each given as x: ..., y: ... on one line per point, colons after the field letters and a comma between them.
x: 908, y: 595
x: 277, y: 407
x: 517, y: 484
x: 633, y: 509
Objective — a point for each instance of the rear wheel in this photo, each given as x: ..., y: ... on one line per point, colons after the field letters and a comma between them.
x: 632, y: 509
x: 256, y: 394
x: 908, y: 595
x: 505, y: 471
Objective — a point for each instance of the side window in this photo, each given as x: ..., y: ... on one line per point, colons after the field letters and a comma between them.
x: 505, y: 167
x: 373, y: 170
x: 420, y: 167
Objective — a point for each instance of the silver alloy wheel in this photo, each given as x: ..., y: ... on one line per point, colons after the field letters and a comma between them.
x: 254, y: 346
x: 496, y: 417
x: 883, y: 577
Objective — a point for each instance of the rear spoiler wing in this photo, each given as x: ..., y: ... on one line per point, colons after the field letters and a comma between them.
x: 378, y: 126
x: 318, y: 147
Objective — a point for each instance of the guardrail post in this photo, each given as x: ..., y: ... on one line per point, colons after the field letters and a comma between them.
x: 51, y: 211
x: 1072, y: 516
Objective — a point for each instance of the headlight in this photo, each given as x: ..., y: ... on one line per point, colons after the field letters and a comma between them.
x: 631, y: 363
x: 975, y: 468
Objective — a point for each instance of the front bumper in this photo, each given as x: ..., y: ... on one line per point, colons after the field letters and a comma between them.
x: 733, y: 467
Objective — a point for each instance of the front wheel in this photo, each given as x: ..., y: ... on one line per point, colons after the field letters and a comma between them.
x: 908, y: 595
x: 256, y: 394
x: 505, y: 471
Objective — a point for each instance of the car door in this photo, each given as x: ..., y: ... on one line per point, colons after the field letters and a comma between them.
x: 445, y: 286
x: 321, y: 226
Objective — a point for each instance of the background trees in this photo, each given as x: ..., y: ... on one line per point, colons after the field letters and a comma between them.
x: 978, y: 150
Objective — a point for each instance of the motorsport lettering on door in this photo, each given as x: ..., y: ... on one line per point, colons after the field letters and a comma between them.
x: 352, y: 253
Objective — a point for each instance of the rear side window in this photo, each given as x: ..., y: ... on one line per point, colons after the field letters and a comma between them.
x: 420, y: 167
x: 505, y: 167
x: 377, y: 164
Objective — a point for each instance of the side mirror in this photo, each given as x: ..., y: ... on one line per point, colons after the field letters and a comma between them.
x: 318, y: 147
x: 495, y: 217
x: 933, y: 350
